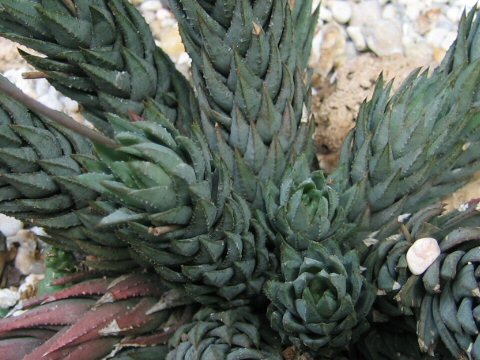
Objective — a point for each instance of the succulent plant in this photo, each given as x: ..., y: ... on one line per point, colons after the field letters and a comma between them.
x: 425, y: 137
x: 249, y: 78
x: 303, y: 208
x: 231, y: 334
x: 99, y: 53
x: 230, y: 242
x: 321, y: 299
x: 430, y: 272
x: 94, y: 318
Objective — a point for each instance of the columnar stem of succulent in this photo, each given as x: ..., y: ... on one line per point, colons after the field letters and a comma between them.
x: 425, y: 137
x: 254, y: 98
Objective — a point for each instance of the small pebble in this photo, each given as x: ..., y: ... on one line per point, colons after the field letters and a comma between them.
x: 384, y: 37
x: 29, y: 286
x: 422, y: 254
x: 150, y: 5
x: 355, y: 33
x: 26, y: 259
x: 341, y: 11
x: 9, y: 226
x: 436, y: 36
x: 325, y: 14
x: 8, y: 298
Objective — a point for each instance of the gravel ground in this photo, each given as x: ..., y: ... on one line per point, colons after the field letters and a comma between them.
x: 354, y: 42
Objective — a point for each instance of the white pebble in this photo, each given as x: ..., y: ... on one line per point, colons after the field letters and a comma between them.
x: 448, y: 40
x: 150, y: 5
x: 436, y: 36
x: 355, y: 33
x: 389, y: 12
x: 463, y: 207
x: 8, y: 298
x: 384, y: 37
x: 422, y: 254
x: 25, y: 261
x: 365, y: 13
x: 69, y: 104
x: 169, y: 22
x: 51, y: 101
x: 341, y: 11
x: 402, y: 218
x: 41, y: 86
x: 149, y: 16
x: 38, y: 231
x: 29, y: 286
x: 163, y: 14
x: 9, y: 226
x: 325, y: 14
x: 453, y: 13
x: 413, y: 11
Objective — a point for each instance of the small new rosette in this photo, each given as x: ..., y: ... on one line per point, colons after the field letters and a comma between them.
x: 322, y: 299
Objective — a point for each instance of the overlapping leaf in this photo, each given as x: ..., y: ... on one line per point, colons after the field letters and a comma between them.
x: 233, y: 334
x: 100, y: 53
x: 416, y: 146
x: 250, y: 83
x: 444, y: 298
x: 177, y: 210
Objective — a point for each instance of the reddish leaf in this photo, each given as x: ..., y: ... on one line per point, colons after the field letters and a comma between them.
x: 134, y: 117
x: 80, y: 276
x: 63, y: 312
x: 87, y: 327
x: 132, y: 285
x: 134, y: 320
x: 159, y: 338
x: 93, y: 349
x: 13, y: 349
x: 90, y: 287
x: 41, y: 334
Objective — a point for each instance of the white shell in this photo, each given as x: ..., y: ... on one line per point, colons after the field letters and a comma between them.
x: 422, y: 254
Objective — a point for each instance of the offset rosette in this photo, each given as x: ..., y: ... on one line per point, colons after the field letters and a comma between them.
x: 304, y: 208
x: 232, y: 334
x: 432, y: 271
x: 322, y: 300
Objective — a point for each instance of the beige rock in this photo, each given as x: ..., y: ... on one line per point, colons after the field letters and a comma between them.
x: 9, y: 57
x: 465, y: 194
x: 329, y: 49
x: 428, y: 20
x: 365, y: 13
x: 384, y: 37
x: 170, y: 39
x: 438, y: 54
x: 29, y: 286
x: 26, y: 260
x: 8, y: 298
